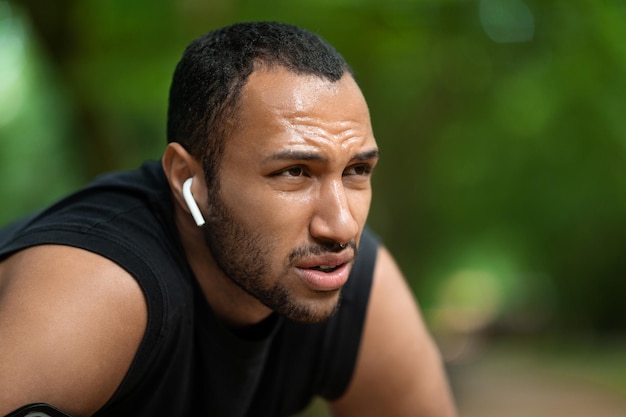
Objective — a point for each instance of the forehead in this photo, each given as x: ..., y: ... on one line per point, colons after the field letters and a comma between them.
x: 278, y: 87
x: 278, y: 108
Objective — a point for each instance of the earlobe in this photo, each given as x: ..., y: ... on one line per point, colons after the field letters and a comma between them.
x: 191, y: 203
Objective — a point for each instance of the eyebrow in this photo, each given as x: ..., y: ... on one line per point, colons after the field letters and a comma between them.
x: 364, y: 156
x: 293, y: 155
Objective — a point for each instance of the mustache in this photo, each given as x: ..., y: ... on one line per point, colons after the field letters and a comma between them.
x: 320, y: 249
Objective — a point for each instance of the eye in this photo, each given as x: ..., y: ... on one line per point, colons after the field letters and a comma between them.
x: 291, y: 172
x: 359, y: 170
x: 294, y: 172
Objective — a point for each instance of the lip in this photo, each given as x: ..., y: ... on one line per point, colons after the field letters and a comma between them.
x: 325, y: 281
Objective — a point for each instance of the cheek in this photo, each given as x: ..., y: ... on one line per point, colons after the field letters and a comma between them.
x: 264, y: 209
x: 360, y: 205
x: 286, y: 209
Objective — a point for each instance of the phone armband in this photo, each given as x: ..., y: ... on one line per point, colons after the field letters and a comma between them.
x: 37, y: 410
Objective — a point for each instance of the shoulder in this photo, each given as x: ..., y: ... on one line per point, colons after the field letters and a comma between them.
x: 71, y: 322
x: 399, y: 371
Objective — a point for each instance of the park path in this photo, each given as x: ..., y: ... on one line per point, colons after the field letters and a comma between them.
x: 514, y: 383
x: 497, y: 385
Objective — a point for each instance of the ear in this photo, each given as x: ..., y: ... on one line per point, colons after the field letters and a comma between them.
x: 179, y: 166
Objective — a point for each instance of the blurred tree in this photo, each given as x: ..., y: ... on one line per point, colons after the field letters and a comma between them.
x: 500, y: 122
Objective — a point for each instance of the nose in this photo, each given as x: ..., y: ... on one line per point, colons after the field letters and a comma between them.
x: 333, y: 220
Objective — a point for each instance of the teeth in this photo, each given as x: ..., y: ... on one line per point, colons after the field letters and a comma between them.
x: 325, y: 268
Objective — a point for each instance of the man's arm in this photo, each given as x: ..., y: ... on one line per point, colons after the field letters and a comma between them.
x: 70, y: 324
x: 399, y: 371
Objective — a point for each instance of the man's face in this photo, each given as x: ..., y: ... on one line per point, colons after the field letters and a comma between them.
x: 294, y: 183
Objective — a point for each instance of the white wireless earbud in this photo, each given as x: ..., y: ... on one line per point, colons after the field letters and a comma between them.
x: 191, y: 203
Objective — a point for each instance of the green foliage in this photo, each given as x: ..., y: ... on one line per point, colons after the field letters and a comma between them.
x: 500, y: 122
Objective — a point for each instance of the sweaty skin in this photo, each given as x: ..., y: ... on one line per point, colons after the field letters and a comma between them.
x: 294, y: 183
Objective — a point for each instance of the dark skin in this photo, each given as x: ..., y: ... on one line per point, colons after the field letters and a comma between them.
x: 295, y: 174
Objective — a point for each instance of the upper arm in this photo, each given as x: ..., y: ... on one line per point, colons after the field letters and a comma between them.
x: 399, y: 371
x: 70, y: 324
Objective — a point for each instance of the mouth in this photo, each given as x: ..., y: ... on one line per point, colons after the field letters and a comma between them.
x: 325, y: 276
x: 326, y: 271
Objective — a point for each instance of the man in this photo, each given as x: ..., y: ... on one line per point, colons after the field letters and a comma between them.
x: 237, y: 277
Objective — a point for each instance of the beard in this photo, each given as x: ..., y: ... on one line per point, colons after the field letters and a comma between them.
x: 245, y: 257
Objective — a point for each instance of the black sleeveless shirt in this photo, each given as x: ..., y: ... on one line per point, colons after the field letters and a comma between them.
x: 188, y: 364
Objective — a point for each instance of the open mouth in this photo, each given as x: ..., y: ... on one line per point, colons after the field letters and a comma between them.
x: 325, y: 275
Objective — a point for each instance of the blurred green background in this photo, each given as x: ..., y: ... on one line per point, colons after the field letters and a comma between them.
x: 502, y: 186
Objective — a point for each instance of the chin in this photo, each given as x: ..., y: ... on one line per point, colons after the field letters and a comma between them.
x: 316, y: 311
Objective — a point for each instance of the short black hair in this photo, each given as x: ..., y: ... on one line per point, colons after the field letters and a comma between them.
x: 214, y: 68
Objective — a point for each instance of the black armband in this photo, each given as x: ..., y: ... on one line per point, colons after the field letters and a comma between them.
x: 37, y: 410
